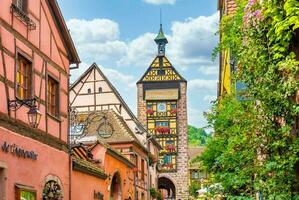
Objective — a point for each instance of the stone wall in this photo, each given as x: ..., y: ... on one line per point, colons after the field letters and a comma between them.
x: 181, y: 177
x: 141, y: 106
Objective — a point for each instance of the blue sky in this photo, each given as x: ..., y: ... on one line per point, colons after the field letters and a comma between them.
x: 118, y: 35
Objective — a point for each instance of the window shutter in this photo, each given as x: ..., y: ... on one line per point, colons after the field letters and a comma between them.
x: 25, y: 6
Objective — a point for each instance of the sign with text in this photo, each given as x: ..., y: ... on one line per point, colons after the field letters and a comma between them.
x: 17, y: 151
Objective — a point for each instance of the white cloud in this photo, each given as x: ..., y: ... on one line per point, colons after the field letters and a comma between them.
x: 159, y: 2
x: 97, y: 39
x: 96, y: 30
x: 115, y: 76
x: 193, y: 40
x: 140, y: 51
x: 209, y: 69
x: 202, y: 85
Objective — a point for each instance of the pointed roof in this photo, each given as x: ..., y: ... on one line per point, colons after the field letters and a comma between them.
x: 161, y: 36
x: 172, y: 73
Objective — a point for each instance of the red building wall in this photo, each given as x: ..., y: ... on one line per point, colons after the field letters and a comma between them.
x: 47, y: 48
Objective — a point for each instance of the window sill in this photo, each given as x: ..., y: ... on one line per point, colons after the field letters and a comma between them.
x: 54, y: 117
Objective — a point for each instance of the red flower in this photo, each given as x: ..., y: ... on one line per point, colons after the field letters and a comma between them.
x: 173, y: 111
x: 162, y: 130
x: 150, y: 111
x: 170, y: 147
x: 135, y: 169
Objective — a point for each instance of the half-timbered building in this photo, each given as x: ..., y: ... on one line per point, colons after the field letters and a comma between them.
x: 93, y: 94
x: 36, y: 51
x: 162, y: 108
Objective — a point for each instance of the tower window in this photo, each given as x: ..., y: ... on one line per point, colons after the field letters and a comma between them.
x: 88, y: 90
x: 162, y: 124
x: 100, y: 89
x: 161, y: 72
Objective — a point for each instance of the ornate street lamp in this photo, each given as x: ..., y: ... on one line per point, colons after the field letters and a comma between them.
x: 34, y: 115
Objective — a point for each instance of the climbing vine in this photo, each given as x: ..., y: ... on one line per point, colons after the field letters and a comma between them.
x: 261, y: 37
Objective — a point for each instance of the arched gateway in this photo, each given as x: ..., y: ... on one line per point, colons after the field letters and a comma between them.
x: 115, y: 189
x: 167, y: 188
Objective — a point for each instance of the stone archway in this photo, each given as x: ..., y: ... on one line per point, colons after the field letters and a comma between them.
x: 167, y: 188
x: 115, y: 188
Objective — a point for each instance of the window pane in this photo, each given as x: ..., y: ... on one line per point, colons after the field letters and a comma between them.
x: 23, y: 78
x: 26, y: 195
x: 53, y: 97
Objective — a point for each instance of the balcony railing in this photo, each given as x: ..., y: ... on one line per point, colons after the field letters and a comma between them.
x: 19, y: 13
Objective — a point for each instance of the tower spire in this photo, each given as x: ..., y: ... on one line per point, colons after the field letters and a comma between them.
x: 161, y: 40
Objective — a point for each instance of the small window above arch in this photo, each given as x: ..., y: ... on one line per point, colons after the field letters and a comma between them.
x: 100, y: 89
x: 88, y: 90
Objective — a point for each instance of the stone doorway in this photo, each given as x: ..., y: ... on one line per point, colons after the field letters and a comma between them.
x: 167, y: 188
x: 115, y: 188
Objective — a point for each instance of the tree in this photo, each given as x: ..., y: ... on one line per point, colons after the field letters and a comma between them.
x: 197, y: 136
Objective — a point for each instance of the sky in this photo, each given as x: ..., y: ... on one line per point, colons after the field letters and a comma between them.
x: 119, y: 35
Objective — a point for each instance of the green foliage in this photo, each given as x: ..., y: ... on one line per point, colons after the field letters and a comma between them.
x: 231, y: 154
x: 254, y: 148
x: 153, y: 192
x: 193, y: 188
x: 197, y: 136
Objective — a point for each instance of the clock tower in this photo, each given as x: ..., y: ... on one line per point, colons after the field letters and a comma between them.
x: 162, y: 108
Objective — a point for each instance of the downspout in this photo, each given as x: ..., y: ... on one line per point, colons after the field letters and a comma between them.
x: 148, y: 171
x: 68, y: 138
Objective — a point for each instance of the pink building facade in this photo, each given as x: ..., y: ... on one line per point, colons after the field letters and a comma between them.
x: 36, y: 51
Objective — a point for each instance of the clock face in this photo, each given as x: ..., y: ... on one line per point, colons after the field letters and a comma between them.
x: 161, y: 107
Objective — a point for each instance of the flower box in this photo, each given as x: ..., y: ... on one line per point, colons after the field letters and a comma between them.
x: 162, y: 130
x: 170, y: 147
x: 173, y: 111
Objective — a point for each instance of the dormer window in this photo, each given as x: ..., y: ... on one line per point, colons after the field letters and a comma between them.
x: 88, y: 90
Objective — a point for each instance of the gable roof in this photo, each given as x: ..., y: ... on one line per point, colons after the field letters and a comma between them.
x: 64, y: 32
x: 126, y: 107
x: 121, y: 132
x: 156, y: 65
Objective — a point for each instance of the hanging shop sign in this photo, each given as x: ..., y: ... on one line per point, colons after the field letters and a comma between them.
x: 19, y: 152
x: 98, y: 195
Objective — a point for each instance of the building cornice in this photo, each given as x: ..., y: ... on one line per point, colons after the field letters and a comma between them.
x: 24, y: 129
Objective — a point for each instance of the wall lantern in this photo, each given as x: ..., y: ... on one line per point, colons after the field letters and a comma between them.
x: 34, y: 115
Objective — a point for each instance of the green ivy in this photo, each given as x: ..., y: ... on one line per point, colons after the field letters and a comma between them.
x: 254, y: 148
